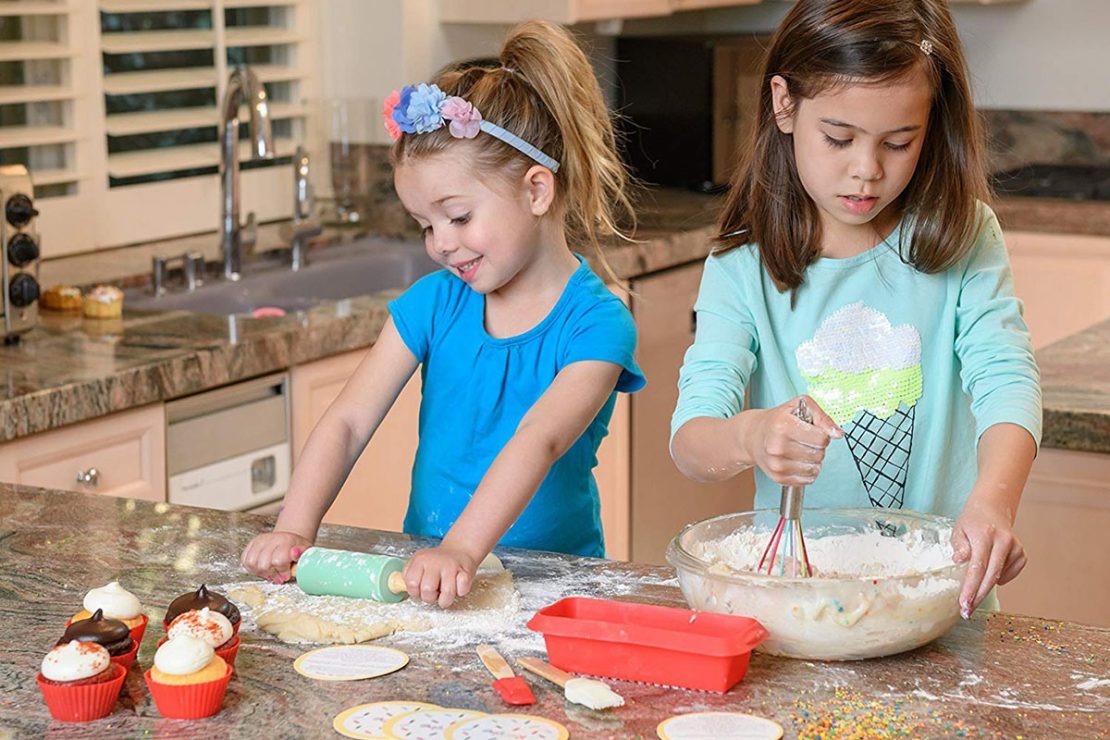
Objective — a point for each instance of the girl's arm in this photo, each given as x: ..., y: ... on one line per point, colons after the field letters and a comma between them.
x: 984, y: 533
x: 335, y: 444
x: 545, y: 433
x: 787, y: 449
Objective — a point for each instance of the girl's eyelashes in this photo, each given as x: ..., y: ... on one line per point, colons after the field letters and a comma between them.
x: 842, y: 143
x: 461, y: 220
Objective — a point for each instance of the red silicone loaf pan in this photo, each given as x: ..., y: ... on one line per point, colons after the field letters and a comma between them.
x: 649, y: 644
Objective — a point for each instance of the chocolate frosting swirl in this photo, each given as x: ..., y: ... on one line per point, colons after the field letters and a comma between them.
x: 199, y: 599
x: 112, y: 634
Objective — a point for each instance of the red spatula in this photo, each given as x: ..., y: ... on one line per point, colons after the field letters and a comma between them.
x: 512, y: 688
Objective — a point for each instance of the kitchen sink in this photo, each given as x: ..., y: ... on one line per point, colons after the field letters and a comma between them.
x: 359, y: 268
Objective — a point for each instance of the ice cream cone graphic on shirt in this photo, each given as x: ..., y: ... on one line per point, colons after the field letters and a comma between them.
x: 866, y: 374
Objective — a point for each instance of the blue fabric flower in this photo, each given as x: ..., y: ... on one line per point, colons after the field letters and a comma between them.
x: 423, y: 106
x: 400, y: 111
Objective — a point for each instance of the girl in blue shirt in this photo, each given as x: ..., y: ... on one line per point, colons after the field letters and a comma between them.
x: 858, y: 266
x: 520, y: 346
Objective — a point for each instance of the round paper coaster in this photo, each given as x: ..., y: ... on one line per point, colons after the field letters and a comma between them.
x: 507, y: 727
x: 365, y: 721
x: 713, y: 725
x: 426, y: 724
x: 350, y: 662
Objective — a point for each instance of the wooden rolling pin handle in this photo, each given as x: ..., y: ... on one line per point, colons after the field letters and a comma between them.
x: 546, y: 670
x: 396, y: 583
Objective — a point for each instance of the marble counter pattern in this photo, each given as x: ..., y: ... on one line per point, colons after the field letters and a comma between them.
x: 996, y: 676
x: 70, y: 370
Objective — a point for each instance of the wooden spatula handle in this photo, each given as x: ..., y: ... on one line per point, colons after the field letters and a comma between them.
x: 494, y: 662
x: 546, y: 670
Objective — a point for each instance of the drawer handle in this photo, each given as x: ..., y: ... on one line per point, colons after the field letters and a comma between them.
x: 90, y: 477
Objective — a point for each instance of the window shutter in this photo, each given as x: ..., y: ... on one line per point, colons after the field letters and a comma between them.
x: 138, y: 158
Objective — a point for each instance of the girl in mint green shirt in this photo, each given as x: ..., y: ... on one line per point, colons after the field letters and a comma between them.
x: 858, y: 266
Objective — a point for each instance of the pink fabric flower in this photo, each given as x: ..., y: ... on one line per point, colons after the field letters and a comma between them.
x: 464, y: 117
x: 387, y: 115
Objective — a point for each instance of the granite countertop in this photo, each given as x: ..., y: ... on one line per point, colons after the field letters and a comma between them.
x: 991, y: 676
x: 69, y: 369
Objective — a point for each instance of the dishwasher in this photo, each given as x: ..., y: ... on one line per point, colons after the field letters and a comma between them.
x: 229, y: 448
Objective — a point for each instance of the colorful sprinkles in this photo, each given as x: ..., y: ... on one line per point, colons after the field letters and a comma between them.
x: 849, y: 716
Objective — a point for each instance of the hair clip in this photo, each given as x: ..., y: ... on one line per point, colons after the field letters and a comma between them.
x: 423, y: 108
x: 926, y: 47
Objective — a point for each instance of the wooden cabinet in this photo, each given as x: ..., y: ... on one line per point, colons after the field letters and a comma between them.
x: 376, y: 493
x: 122, y: 454
x: 1063, y: 280
x: 663, y: 500
x: 1062, y: 523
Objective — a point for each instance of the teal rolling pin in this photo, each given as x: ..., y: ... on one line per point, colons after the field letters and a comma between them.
x: 324, y: 572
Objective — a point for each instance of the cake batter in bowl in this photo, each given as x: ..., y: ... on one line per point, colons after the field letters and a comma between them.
x: 884, y: 581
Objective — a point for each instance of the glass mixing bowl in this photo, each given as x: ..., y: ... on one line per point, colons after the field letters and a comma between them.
x: 826, y: 617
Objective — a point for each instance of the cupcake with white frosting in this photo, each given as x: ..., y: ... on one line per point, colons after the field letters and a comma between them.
x: 79, y: 681
x: 116, y: 602
x: 210, y: 626
x: 188, y: 679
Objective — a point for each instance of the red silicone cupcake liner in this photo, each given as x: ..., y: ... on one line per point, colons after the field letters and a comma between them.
x: 124, y: 660
x: 650, y: 644
x: 228, y: 651
x: 189, y: 701
x: 82, y: 703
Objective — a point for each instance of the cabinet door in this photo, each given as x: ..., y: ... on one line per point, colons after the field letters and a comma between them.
x: 663, y: 500
x: 122, y: 454
x: 376, y: 493
x: 1063, y: 280
x: 559, y: 11
x: 1062, y: 523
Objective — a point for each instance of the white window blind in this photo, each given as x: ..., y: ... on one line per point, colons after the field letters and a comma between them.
x: 123, y: 126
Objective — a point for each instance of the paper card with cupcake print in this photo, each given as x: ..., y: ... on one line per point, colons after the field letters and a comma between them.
x: 506, y: 727
x: 350, y: 662
x: 430, y: 723
x: 718, y: 724
x: 367, y: 721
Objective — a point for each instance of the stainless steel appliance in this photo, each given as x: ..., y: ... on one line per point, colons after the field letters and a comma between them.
x: 19, y: 268
x: 229, y: 448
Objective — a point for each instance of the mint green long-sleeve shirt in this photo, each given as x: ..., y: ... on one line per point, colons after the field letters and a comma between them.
x: 914, y: 367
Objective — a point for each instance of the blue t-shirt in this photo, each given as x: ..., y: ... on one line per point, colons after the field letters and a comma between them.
x: 477, y: 388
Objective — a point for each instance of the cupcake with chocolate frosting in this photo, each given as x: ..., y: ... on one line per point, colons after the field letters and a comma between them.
x: 112, y: 634
x: 200, y: 599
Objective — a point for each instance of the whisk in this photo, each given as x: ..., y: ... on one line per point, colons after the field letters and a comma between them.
x: 790, y: 525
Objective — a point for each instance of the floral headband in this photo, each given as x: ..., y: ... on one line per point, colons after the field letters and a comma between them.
x: 420, y: 109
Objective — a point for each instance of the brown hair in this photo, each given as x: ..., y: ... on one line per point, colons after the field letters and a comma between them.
x: 545, y: 92
x: 824, y: 43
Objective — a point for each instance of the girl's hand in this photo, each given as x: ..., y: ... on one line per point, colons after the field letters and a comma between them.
x: 984, y: 534
x: 787, y: 449
x: 272, y: 555
x: 440, y: 575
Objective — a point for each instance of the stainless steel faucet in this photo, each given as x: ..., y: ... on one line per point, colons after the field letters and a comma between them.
x: 242, y: 85
x: 304, y: 225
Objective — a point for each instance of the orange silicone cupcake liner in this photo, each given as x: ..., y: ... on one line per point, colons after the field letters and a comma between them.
x: 228, y: 651
x: 85, y: 702
x: 189, y: 701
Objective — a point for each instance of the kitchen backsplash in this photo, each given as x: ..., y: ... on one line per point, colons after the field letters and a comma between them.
x: 1019, y: 137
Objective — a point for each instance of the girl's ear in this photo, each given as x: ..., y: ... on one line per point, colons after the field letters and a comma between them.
x: 540, y: 184
x: 783, y: 104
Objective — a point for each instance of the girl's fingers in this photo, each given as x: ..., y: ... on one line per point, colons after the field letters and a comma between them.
x: 414, y: 575
x: 446, y: 587
x: 997, y: 560
x: 961, y: 548
x: 462, y: 583
x: 975, y: 571
x: 1014, y: 564
x: 823, y: 421
x: 429, y: 586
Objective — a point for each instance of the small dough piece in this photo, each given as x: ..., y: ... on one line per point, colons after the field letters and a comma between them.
x: 251, y: 595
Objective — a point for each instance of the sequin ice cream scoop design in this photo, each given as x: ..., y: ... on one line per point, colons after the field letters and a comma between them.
x: 866, y: 374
